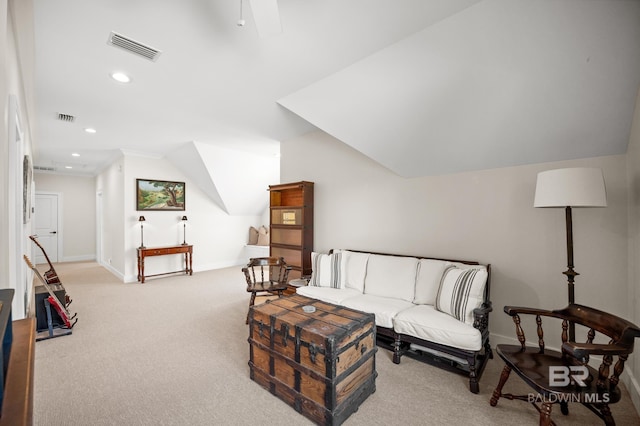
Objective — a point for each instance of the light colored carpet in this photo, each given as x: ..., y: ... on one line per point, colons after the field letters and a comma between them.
x: 174, y: 351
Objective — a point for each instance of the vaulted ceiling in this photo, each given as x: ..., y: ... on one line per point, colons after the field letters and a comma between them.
x: 423, y: 87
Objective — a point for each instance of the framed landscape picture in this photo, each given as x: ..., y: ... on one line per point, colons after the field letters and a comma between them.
x: 159, y: 195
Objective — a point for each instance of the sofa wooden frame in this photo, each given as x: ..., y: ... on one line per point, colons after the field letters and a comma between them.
x: 476, y: 361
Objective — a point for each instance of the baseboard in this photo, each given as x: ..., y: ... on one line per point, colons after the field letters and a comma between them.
x: 631, y: 382
x: 499, y: 339
x: 220, y: 265
x: 82, y: 258
x: 112, y: 270
x: 200, y: 268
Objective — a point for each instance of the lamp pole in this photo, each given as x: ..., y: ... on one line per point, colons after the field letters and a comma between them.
x: 141, y: 219
x: 184, y: 230
x: 570, y: 272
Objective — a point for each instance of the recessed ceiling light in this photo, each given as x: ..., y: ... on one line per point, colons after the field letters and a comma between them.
x: 75, y: 154
x: 68, y: 167
x: 120, y: 77
x: 90, y: 130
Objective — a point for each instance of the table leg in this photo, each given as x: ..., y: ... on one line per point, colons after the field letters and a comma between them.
x: 142, y: 269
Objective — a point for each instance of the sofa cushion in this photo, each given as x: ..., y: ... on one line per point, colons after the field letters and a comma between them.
x: 384, y: 308
x: 461, y: 291
x: 427, y: 323
x: 326, y: 270
x: 327, y: 294
x: 391, y: 276
x: 354, y: 269
x: 428, y: 280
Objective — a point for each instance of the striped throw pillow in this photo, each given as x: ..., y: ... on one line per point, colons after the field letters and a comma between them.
x: 326, y: 270
x: 461, y: 291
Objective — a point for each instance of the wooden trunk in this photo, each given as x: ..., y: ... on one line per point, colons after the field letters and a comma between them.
x: 321, y: 363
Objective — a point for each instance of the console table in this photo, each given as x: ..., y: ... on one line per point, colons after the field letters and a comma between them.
x: 185, y: 249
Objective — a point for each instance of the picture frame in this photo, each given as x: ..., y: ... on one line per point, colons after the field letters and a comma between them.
x: 153, y: 194
x: 27, y: 185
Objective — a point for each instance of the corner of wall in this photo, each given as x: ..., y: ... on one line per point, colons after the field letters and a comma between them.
x: 631, y: 378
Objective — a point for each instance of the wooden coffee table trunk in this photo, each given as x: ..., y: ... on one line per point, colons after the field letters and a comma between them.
x: 320, y: 363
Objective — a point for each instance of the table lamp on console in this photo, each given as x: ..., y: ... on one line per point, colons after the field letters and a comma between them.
x: 184, y: 230
x: 141, y: 220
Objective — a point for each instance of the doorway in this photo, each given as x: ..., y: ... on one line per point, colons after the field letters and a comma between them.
x: 48, y: 227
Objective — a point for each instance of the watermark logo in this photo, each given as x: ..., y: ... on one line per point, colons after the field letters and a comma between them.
x: 560, y: 375
x: 587, y: 398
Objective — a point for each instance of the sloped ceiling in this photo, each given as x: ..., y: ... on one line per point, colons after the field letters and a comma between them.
x: 236, y: 181
x: 501, y: 83
x: 424, y: 87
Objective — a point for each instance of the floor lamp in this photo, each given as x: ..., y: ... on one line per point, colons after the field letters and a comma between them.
x: 567, y: 188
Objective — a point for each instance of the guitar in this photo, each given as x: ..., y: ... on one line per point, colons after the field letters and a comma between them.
x: 51, y: 276
x: 53, y: 299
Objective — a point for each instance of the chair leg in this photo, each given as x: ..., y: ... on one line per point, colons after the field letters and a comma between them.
x: 606, y: 415
x: 545, y: 414
x: 564, y: 408
x: 498, y: 390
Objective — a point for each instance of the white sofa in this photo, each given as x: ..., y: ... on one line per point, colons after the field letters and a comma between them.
x: 423, y: 306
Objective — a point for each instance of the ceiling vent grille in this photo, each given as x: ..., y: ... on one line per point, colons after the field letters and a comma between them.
x: 66, y: 117
x: 133, y: 46
x: 44, y: 169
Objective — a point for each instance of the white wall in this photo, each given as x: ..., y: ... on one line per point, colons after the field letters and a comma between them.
x: 486, y: 216
x: 219, y: 239
x: 16, y: 90
x: 110, y: 187
x: 5, y: 247
x: 78, y: 214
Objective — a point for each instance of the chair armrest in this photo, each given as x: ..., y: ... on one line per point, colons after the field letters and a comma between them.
x: 582, y: 350
x: 516, y: 310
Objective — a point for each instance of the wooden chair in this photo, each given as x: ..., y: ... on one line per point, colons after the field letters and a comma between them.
x: 266, y: 275
x: 547, y: 371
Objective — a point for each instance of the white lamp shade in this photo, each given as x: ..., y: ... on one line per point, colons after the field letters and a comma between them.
x: 574, y: 187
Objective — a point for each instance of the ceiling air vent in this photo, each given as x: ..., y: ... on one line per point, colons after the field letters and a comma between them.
x: 66, y: 117
x: 133, y: 46
x: 44, y: 169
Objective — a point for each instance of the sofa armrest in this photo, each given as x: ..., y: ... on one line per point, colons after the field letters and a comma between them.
x: 481, y: 316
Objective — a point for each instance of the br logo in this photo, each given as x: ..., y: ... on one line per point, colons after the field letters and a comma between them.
x: 563, y: 376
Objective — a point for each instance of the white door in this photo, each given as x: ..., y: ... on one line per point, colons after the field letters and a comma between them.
x: 46, y: 214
